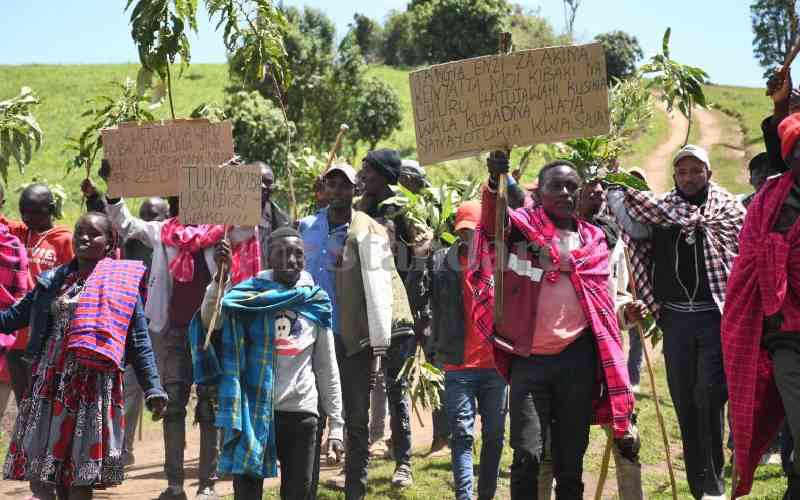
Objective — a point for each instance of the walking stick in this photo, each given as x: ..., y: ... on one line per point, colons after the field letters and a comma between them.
x: 501, y: 205
x: 336, y: 145
x: 141, y: 420
x: 787, y: 63
x: 218, y: 303
x: 652, y: 382
x: 598, y: 495
x: 734, y: 476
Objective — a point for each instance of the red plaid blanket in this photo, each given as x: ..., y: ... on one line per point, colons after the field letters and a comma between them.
x: 590, y: 279
x: 766, y: 278
x: 719, y: 219
x: 100, y: 323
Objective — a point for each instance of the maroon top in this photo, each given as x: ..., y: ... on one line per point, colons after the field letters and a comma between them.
x: 187, y: 297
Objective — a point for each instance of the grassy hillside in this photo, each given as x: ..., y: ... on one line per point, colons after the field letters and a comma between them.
x: 64, y: 91
x: 749, y: 104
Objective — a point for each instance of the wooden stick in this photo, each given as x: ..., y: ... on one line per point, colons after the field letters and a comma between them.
x: 141, y: 420
x: 734, y: 476
x: 336, y: 145
x: 790, y: 57
x: 218, y: 303
x: 787, y: 63
x: 601, y: 482
x: 500, y: 218
x: 652, y: 382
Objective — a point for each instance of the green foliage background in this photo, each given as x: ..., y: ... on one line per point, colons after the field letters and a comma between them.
x: 64, y: 90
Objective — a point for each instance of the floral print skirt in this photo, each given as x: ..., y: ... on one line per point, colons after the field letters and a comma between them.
x: 69, y: 430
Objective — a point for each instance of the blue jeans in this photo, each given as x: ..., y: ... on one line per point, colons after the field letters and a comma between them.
x: 471, y: 392
x: 634, y: 357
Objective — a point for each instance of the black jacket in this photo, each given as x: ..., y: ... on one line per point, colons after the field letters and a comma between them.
x: 772, y: 141
x: 447, y: 306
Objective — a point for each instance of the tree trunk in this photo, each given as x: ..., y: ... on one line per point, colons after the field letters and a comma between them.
x: 689, y: 128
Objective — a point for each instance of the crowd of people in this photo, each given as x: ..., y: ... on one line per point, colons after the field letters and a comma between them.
x: 294, y: 335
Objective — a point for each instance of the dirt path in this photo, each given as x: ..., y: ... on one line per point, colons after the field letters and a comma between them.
x: 145, y: 480
x: 710, y: 130
x: 715, y: 131
x: 657, y: 164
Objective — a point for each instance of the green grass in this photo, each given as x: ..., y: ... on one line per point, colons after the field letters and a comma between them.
x: 750, y: 104
x: 64, y: 91
x: 433, y: 477
x: 647, y: 143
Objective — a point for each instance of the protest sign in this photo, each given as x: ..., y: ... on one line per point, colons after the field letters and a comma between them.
x: 210, y: 194
x: 145, y: 158
x: 497, y: 102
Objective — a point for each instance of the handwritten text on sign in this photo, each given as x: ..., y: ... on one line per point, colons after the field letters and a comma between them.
x: 494, y: 102
x: 220, y: 195
x: 145, y: 158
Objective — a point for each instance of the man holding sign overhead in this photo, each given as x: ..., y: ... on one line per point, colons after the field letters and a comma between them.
x: 559, y: 330
x: 541, y: 291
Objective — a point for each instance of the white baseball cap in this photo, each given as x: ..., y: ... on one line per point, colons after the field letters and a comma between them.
x: 692, y: 151
x: 345, y: 169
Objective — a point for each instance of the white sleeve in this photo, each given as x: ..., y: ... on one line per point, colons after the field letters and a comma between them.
x: 210, y: 300
x: 326, y: 371
x: 376, y: 273
x: 130, y: 227
x: 622, y: 296
x: 615, y: 198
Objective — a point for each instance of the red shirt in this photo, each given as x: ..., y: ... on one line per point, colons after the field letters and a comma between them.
x: 187, y: 297
x: 46, y: 250
x: 478, y: 352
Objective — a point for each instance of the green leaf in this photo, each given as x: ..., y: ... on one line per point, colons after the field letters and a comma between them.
x: 627, y: 180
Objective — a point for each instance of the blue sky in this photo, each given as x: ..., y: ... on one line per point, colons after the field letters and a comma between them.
x: 712, y: 34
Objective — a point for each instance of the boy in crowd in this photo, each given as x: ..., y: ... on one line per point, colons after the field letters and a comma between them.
x: 287, y: 370
x: 472, y: 384
x: 48, y: 246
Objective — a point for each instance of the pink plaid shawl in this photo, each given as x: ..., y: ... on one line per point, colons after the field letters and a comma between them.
x: 766, y: 278
x: 189, y: 240
x: 615, y: 404
x: 100, y: 323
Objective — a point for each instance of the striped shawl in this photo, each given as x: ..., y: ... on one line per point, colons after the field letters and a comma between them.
x: 614, y: 405
x: 99, y: 326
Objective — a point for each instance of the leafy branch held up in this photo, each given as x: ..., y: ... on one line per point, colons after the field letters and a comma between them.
x: 20, y: 133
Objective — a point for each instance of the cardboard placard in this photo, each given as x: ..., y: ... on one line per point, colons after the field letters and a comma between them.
x: 497, y: 102
x: 145, y: 158
x: 210, y: 194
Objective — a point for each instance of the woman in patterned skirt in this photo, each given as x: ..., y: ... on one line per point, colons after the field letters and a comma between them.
x: 86, y: 322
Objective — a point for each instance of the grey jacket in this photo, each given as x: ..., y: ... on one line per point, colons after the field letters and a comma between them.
x: 305, y: 362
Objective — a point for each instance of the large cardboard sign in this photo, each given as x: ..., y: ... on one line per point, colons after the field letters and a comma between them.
x: 145, y: 158
x: 498, y: 102
x: 210, y: 194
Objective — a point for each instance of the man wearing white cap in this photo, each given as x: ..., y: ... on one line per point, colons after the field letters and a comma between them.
x: 684, y: 243
x: 349, y: 256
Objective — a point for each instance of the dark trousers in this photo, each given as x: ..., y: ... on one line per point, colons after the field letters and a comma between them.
x: 20, y: 372
x: 696, y: 379
x: 634, y: 357
x: 784, y: 350
x: 296, y: 437
x: 552, y: 394
x: 354, y: 372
